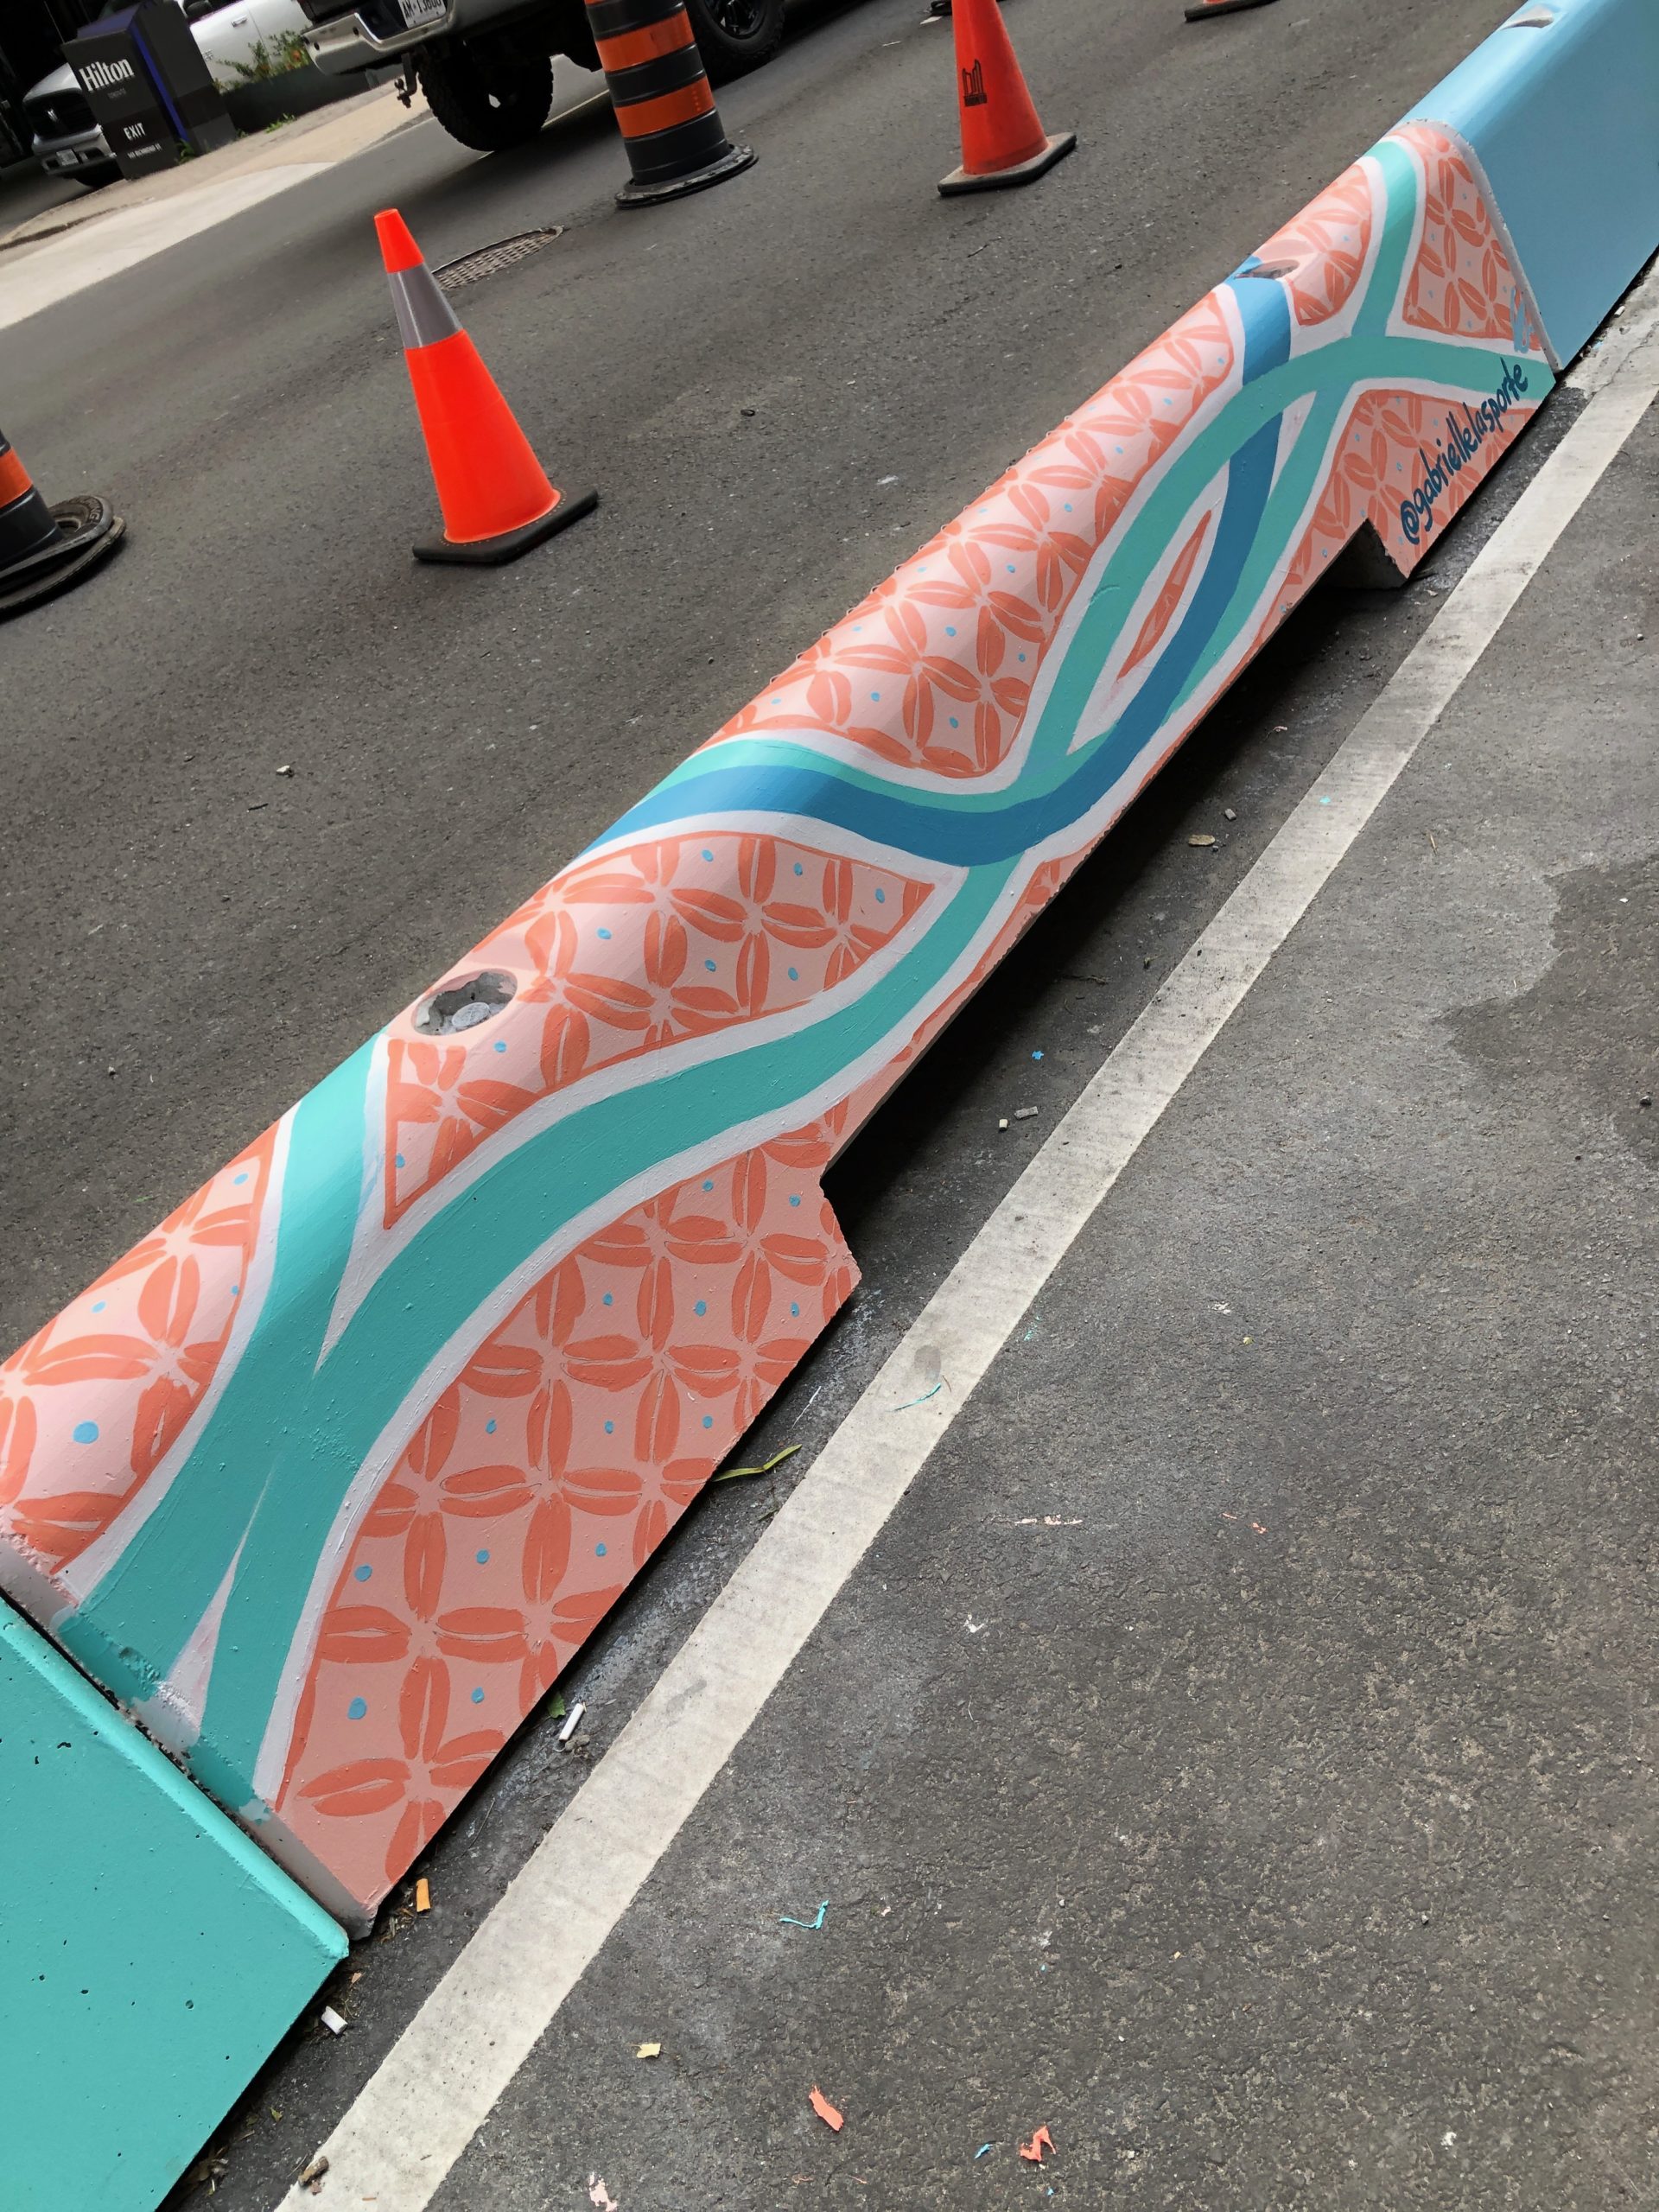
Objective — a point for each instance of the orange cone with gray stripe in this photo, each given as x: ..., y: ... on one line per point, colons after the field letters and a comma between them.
x: 664, y: 109
x: 1203, y: 7
x: 44, y: 549
x: 495, y: 495
x: 1003, y: 143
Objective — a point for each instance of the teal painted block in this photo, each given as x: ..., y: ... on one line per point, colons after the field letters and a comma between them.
x: 151, y: 1956
x: 1560, y: 107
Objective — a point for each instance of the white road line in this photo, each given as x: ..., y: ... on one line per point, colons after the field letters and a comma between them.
x: 439, y: 2083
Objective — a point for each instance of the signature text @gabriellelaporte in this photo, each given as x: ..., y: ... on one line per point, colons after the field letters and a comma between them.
x: 1463, y: 442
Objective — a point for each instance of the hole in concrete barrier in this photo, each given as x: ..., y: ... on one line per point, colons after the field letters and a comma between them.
x: 1272, y: 268
x: 464, y: 1004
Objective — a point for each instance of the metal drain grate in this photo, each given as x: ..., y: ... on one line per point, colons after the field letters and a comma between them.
x: 489, y: 260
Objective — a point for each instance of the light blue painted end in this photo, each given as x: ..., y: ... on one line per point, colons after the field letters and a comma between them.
x: 150, y: 1955
x: 1561, y: 106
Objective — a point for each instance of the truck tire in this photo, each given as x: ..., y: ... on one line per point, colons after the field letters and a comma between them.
x: 488, y: 98
x: 736, y: 35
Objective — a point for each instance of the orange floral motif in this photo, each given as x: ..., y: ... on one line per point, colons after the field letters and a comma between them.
x: 1462, y: 283
x: 541, y: 1480
x: 99, y: 1396
x: 1323, y: 251
x: 672, y: 938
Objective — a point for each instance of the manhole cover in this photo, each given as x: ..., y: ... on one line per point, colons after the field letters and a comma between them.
x: 489, y: 259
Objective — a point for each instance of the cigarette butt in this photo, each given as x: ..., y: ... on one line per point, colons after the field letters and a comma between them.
x: 423, y: 1895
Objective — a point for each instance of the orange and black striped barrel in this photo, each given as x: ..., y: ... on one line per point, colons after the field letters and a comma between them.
x: 659, y: 90
x: 28, y: 525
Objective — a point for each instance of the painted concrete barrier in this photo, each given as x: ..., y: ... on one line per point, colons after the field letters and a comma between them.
x: 329, y: 1478
x: 150, y: 1955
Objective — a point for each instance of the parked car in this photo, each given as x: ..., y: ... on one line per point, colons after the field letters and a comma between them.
x: 487, y: 65
x: 66, y: 140
x: 243, y: 40
x: 248, y: 38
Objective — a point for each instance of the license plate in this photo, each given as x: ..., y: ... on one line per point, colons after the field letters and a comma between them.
x: 69, y: 159
x: 417, y: 13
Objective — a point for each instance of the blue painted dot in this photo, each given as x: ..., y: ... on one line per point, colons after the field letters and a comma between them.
x: 400, y: 1159
x: 500, y: 1044
x: 949, y: 630
x: 795, y: 1201
x: 604, y: 933
x: 599, y: 1551
x: 608, y: 1299
x: 799, y: 870
x: 478, y: 1697
x: 482, y: 1557
x: 1068, y: 506
x: 954, y: 724
x: 236, y: 1290
x: 610, y: 1429
x: 708, y: 857
x: 357, y: 1708
x: 84, y: 1432
x: 794, y: 1312
x: 876, y: 696
x: 363, y: 1572
x: 489, y: 1428
x: 1117, y: 448
x: 881, y: 897
x: 701, y: 1307
x: 794, y: 975
x: 1036, y: 1056
x: 1021, y: 656
x: 242, y: 1178
x: 707, y: 1186
x: 710, y: 965
x: 1325, y: 801
x: 1010, y: 567
x: 708, y: 1420
x: 100, y: 1305
x: 777, y: 699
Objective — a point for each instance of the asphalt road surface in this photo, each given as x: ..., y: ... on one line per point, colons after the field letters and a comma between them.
x: 1349, y: 1816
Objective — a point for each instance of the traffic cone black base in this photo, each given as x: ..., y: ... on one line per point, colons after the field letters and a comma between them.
x: 89, y: 531
x: 1053, y: 149
x: 492, y: 552
x: 635, y: 194
x: 1220, y: 8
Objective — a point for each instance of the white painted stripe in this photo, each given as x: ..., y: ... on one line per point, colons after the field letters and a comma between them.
x: 439, y: 2083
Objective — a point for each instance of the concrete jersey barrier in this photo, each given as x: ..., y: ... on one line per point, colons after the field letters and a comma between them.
x: 329, y: 1478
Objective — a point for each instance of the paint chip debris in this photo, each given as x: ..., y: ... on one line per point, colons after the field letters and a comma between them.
x: 982, y: 2151
x: 1033, y: 2151
x: 1026, y: 1113
x: 825, y: 2110
x: 1202, y: 838
x: 423, y: 1895
x: 332, y: 2021
x: 649, y: 2051
x: 600, y: 2197
x: 572, y: 1721
x: 788, y: 1920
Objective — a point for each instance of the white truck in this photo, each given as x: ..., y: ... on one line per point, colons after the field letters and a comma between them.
x: 487, y: 65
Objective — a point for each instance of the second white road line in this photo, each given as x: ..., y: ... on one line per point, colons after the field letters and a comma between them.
x: 439, y: 2083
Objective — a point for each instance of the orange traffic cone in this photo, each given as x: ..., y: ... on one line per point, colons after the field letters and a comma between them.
x: 1002, y: 141
x: 45, y: 550
x: 1203, y: 7
x: 496, y: 500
